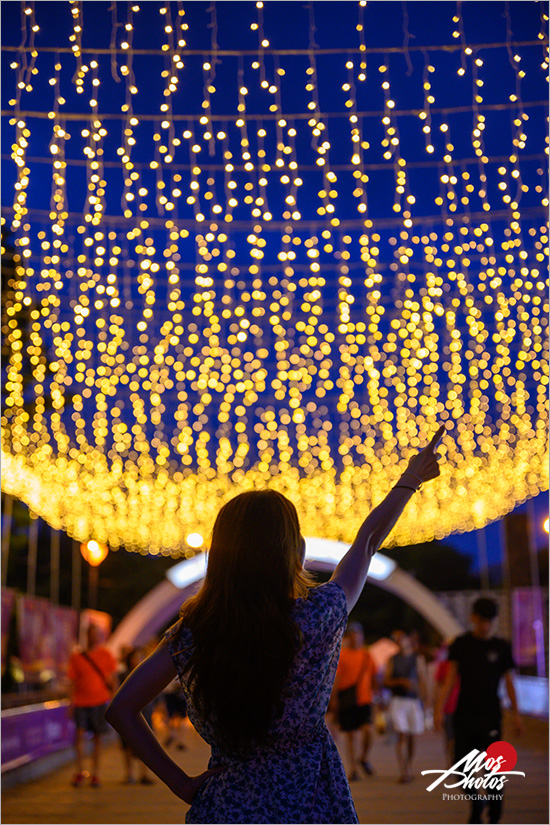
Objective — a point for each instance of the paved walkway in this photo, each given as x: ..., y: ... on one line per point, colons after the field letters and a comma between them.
x: 379, y: 799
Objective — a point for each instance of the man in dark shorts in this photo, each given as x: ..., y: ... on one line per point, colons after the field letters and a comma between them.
x: 480, y: 659
x: 355, y: 669
x: 92, y: 674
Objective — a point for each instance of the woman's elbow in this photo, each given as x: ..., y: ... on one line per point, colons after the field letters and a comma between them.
x: 113, y: 711
x: 374, y: 542
x: 110, y: 714
x: 123, y: 709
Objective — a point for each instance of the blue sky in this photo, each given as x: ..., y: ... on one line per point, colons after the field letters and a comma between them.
x: 467, y: 543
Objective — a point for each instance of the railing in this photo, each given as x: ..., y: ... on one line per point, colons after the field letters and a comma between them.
x: 34, y: 731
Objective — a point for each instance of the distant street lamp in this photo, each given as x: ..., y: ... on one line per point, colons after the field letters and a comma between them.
x: 545, y: 525
x: 94, y: 553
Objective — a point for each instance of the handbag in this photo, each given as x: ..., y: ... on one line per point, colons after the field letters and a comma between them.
x: 347, y: 698
x: 380, y: 721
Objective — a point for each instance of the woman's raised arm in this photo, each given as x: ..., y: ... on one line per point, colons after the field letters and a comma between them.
x: 351, y: 572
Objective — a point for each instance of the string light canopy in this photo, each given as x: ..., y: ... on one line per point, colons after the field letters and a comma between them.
x: 273, y: 247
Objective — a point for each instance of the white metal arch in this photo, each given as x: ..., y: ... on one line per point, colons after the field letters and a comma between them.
x: 162, y: 603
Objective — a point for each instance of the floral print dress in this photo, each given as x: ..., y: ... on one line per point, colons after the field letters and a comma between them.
x: 300, y: 777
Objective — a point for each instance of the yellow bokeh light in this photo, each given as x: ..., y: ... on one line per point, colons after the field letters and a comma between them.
x: 216, y: 336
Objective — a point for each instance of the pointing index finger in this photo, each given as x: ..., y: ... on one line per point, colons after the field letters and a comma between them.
x: 437, y: 438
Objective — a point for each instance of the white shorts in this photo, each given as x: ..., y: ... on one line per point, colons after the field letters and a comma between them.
x: 407, y: 715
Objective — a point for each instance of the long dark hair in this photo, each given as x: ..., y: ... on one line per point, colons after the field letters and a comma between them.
x: 244, y: 634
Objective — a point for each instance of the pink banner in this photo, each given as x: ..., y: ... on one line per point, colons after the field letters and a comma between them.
x: 47, y: 635
x: 65, y: 630
x: 524, y: 640
x: 8, y: 604
x: 35, y: 630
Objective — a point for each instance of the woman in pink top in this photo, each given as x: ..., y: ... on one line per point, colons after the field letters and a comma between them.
x: 448, y: 709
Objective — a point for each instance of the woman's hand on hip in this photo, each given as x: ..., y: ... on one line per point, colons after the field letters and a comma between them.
x: 191, y: 785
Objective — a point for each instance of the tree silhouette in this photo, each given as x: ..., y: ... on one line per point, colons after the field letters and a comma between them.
x: 436, y: 565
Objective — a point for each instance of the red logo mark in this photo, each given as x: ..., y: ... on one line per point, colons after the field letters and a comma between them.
x: 506, y: 752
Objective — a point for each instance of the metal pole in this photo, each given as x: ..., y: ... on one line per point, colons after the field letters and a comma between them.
x: 93, y: 578
x: 505, y: 567
x: 32, y: 556
x: 6, y: 536
x: 54, y: 565
x: 482, y: 554
x: 76, y: 577
x: 505, y: 563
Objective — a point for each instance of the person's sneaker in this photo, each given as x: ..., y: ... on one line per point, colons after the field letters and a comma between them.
x: 181, y: 747
x: 367, y: 767
x: 94, y: 782
x: 77, y: 780
x: 146, y: 780
x: 353, y: 776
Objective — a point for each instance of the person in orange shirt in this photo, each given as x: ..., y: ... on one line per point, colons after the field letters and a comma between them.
x: 355, y: 669
x: 92, y: 674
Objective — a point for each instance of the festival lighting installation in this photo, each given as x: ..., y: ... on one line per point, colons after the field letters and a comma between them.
x: 289, y: 266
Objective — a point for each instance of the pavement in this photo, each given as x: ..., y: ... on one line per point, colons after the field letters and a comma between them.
x: 378, y: 799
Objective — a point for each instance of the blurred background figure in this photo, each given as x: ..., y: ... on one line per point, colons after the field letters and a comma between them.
x: 406, y: 678
x: 480, y: 659
x: 449, y: 707
x: 131, y: 659
x: 176, y: 713
x: 353, y: 698
x: 92, y: 675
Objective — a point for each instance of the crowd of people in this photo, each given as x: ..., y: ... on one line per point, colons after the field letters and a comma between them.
x: 395, y: 699
x: 453, y: 687
x: 416, y: 688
